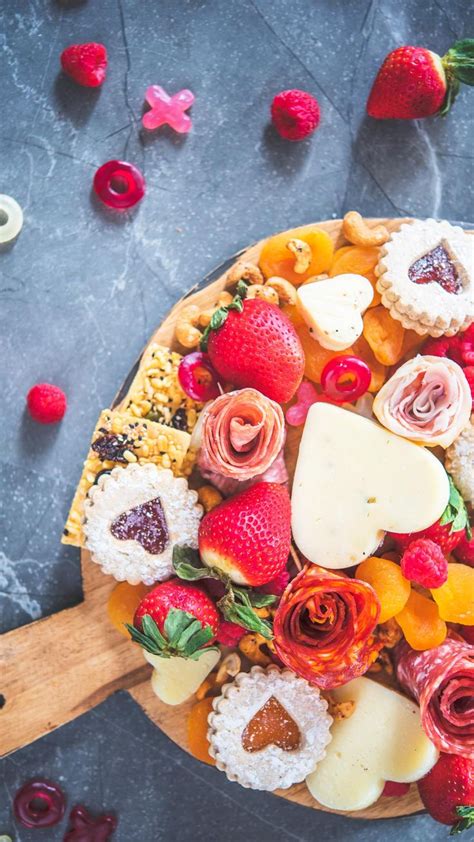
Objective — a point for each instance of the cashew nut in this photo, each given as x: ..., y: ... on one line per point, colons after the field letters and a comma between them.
x: 250, y: 646
x: 263, y: 292
x: 248, y: 272
x: 224, y: 300
x: 230, y: 666
x: 359, y: 233
x: 187, y: 332
x: 302, y: 253
x: 209, y: 497
x: 285, y: 291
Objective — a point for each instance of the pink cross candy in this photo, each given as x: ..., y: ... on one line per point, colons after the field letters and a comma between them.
x: 168, y: 109
x: 306, y: 395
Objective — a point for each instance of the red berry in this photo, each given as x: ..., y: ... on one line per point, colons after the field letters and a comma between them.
x: 466, y: 341
x: 449, y: 784
x: 448, y: 531
x: 469, y: 374
x: 395, y: 789
x: 445, y: 346
x: 464, y: 551
x: 295, y: 114
x: 276, y: 586
x: 46, y: 403
x: 177, y: 594
x: 85, y: 63
x: 229, y: 633
x: 411, y: 83
x: 197, y: 377
x: 424, y: 562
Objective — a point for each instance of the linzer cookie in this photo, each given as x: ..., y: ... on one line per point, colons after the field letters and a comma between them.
x: 134, y: 518
x: 425, y: 277
x: 268, y: 729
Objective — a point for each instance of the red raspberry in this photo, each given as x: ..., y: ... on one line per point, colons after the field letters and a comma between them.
x: 229, y: 634
x: 277, y: 585
x: 469, y: 374
x: 85, y: 63
x: 393, y: 788
x: 423, y: 562
x: 445, y: 346
x: 464, y: 551
x: 466, y: 341
x: 46, y: 403
x: 295, y: 114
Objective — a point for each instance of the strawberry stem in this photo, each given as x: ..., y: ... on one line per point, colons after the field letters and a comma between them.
x: 184, y: 635
x: 466, y: 820
x: 220, y: 315
x: 458, y: 64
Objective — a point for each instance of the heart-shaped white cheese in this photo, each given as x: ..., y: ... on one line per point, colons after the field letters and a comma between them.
x: 176, y: 679
x: 355, y: 480
x: 382, y: 740
x: 333, y: 309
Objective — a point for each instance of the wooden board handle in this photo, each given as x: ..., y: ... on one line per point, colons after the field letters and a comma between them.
x: 55, y: 669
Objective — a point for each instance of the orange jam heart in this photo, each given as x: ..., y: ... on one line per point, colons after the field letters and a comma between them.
x: 146, y: 524
x: 436, y: 267
x: 271, y: 725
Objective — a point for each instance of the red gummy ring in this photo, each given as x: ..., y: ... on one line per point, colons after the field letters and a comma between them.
x: 39, y: 804
x: 119, y: 185
x: 345, y: 379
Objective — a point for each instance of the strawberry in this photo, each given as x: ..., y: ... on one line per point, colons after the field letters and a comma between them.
x: 464, y: 551
x: 85, y: 63
x: 247, y: 537
x: 252, y: 343
x: 447, y: 791
x: 175, y: 619
x: 414, y: 82
x: 448, y: 531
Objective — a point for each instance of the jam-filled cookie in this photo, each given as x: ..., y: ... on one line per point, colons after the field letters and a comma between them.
x: 269, y: 729
x: 133, y: 518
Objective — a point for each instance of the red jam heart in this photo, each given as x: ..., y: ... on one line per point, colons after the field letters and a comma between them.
x: 146, y: 524
x: 436, y: 267
x: 271, y: 725
x: 84, y: 828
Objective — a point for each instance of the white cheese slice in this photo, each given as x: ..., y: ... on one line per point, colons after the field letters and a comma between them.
x: 383, y: 740
x: 355, y: 480
x: 176, y: 679
x: 333, y: 309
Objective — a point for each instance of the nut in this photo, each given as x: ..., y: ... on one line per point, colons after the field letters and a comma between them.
x: 359, y: 233
x: 263, y: 292
x: 302, y: 253
x: 205, y: 688
x: 248, y: 272
x: 187, y: 332
x: 389, y: 633
x: 285, y: 291
x: 209, y: 497
x: 251, y: 646
x: 228, y: 668
x: 340, y: 710
x: 225, y: 298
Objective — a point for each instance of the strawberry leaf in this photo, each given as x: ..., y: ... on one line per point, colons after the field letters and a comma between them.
x: 466, y: 820
x: 187, y: 565
x: 459, y: 61
x: 184, y: 635
x: 237, y: 608
x: 455, y: 512
x: 220, y: 315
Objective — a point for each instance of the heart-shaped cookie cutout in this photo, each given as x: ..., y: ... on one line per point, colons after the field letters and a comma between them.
x: 146, y: 524
x: 333, y: 309
x: 354, y: 481
x: 271, y: 725
x: 436, y: 266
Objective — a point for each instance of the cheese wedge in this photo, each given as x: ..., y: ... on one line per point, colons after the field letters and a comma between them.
x: 382, y: 740
x: 333, y: 309
x: 355, y: 480
x: 176, y: 679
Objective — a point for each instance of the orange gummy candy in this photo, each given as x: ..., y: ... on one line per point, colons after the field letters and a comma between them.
x: 420, y: 622
x: 277, y: 259
x: 388, y: 582
x: 197, y: 728
x: 316, y: 357
x: 122, y: 604
x: 360, y: 261
x: 455, y: 599
x: 362, y: 349
x: 384, y: 335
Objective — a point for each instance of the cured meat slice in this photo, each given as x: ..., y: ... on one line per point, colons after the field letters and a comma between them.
x: 228, y: 486
x: 324, y: 627
x: 442, y: 682
x: 242, y: 435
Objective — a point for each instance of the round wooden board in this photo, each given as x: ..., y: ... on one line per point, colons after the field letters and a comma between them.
x: 88, y: 660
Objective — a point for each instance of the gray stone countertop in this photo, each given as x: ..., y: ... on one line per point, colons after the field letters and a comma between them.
x: 82, y: 289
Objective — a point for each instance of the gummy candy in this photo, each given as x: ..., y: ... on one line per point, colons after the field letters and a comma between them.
x: 197, y: 377
x: 420, y: 622
x: 346, y: 378
x: 39, y: 804
x: 83, y: 828
x: 11, y: 218
x: 119, y: 185
x: 166, y: 109
x: 306, y: 395
x: 455, y: 599
x: 122, y: 604
x: 197, y: 728
x: 388, y: 582
x: 384, y: 335
x: 277, y: 259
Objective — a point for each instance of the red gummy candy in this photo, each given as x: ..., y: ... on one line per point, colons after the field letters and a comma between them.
x: 39, y: 803
x: 119, y: 185
x: 345, y: 379
x: 84, y: 828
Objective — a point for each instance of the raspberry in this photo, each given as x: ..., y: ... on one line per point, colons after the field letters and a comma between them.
x: 469, y: 374
x: 229, y: 634
x: 277, y: 585
x: 466, y: 341
x: 464, y: 551
x: 295, y: 114
x: 423, y: 562
x: 85, y: 63
x: 46, y: 403
x: 393, y: 788
x: 445, y: 346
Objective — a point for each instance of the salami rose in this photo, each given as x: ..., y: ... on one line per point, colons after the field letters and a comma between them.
x: 427, y: 400
x: 243, y: 433
x: 442, y: 682
x: 324, y: 627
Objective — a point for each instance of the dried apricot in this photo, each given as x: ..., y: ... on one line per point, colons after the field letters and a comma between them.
x: 455, y: 599
x: 420, y: 622
x: 411, y: 342
x: 197, y: 728
x: 388, y: 582
x: 360, y: 260
x: 379, y: 372
x: 316, y: 356
x: 277, y: 259
x: 384, y: 335
x: 122, y: 604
